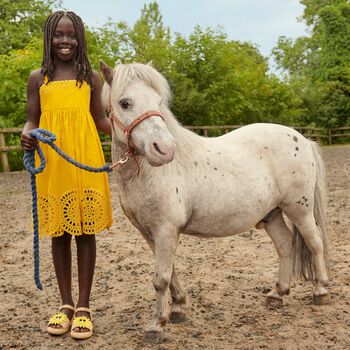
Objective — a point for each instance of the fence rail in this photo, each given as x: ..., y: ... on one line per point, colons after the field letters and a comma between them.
x: 326, y: 136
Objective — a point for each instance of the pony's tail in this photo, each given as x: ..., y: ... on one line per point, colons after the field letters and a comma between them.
x: 303, y: 260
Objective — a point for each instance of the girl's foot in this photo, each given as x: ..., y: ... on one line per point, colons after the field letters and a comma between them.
x: 82, y: 324
x: 61, y: 321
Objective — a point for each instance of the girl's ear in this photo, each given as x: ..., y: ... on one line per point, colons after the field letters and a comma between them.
x: 107, y: 72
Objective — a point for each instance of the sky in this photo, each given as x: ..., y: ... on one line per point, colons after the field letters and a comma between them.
x: 260, y: 22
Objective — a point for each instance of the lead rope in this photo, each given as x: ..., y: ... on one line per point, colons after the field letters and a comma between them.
x: 29, y: 163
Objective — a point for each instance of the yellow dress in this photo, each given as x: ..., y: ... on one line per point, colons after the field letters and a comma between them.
x: 70, y: 199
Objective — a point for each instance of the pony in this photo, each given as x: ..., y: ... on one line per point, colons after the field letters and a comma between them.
x: 174, y: 181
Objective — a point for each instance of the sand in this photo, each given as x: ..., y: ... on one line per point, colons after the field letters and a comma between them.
x: 226, y: 281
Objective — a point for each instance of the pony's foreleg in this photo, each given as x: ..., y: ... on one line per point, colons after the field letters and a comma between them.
x: 283, y: 240
x: 178, y: 297
x: 165, y: 243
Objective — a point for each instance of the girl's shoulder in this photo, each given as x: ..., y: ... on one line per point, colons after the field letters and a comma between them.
x: 35, y: 78
x: 96, y: 77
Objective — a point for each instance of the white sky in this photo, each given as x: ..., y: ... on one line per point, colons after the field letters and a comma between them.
x: 260, y: 22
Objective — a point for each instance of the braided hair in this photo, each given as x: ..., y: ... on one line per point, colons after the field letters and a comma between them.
x: 48, y: 67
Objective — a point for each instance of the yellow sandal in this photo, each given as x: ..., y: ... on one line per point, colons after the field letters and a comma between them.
x: 82, y: 322
x: 60, y: 318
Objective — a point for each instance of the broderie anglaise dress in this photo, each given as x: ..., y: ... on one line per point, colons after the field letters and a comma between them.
x: 70, y: 199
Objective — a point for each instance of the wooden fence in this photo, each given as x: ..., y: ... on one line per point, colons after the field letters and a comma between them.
x: 325, y: 136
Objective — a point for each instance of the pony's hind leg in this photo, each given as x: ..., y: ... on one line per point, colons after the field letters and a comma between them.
x: 315, y: 242
x: 283, y: 240
x: 178, y: 297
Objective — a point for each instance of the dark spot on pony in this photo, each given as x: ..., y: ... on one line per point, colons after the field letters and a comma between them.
x: 289, y: 135
x: 215, y: 168
x: 195, y: 163
x: 177, y: 190
x: 297, y: 148
x: 295, y: 155
x: 295, y: 138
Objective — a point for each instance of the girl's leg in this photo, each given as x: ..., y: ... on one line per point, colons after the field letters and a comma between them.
x: 62, y: 260
x: 86, y: 251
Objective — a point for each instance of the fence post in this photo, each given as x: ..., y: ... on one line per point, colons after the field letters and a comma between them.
x: 329, y: 136
x: 4, y: 159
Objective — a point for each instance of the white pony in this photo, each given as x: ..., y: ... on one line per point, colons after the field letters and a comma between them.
x: 173, y: 181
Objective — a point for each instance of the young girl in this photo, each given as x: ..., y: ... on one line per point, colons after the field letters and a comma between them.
x: 63, y: 96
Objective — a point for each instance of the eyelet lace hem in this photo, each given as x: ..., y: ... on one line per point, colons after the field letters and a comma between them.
x: 76, y: 214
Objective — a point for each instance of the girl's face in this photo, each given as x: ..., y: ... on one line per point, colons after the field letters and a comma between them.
x: 64, y: 40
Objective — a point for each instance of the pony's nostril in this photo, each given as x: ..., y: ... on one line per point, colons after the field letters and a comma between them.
x: 157, y: 148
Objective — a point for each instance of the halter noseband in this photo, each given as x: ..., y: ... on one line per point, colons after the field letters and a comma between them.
x: 127, y: 130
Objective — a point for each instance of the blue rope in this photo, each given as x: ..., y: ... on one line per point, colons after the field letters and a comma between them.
x: 29, y: 163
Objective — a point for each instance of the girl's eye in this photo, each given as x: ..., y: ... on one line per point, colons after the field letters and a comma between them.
x: 59, y: 35
x: 124, y: 103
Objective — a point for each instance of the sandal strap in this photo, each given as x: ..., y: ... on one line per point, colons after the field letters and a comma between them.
x: 85, y: 309
x: 58, y: 318
x: 82, y: 322
x: 67, y: 306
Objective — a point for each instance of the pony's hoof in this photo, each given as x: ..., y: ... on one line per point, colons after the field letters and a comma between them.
x: 321, y: 299
x: 274, y: 302
x: 177, y: 317
x: 154, y: 337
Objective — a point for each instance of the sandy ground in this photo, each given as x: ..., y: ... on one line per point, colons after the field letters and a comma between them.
x: 226, y: 281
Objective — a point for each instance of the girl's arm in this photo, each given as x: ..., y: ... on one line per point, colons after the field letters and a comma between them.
x: 96, y: 108
x: 33, y: 110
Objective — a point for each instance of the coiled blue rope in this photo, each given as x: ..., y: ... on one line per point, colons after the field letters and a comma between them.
x: 29, y: 163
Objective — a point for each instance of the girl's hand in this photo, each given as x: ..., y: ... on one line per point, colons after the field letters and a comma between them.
x: 28, y: 142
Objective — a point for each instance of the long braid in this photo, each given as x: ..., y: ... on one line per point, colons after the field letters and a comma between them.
x: 83, y: 67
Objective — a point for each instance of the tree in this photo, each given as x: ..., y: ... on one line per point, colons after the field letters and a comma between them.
x: 150, y: 39
x: 218, y: 81
x: 20, y: 21
x: 321, y: 62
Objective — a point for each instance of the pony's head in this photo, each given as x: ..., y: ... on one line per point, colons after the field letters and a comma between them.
x: 133, y: 91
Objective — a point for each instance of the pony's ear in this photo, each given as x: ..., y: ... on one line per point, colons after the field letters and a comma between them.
x: 150, y: 63
x: 107, y: 72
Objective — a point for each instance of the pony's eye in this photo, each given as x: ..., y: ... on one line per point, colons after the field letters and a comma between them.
x: 124, y: 103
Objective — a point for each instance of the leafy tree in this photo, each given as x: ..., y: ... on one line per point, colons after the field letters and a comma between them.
x: 15, y: 68
x: 150, y: 39
x: 217, y: 81
x: 20, y: 21
x: 322, y: 62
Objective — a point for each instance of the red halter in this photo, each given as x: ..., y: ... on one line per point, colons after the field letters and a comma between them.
x: 127, y: 130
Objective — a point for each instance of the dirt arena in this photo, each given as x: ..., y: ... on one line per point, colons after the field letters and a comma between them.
x: 226, y: 281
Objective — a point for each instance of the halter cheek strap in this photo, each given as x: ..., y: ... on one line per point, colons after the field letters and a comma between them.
x: 127, y: 130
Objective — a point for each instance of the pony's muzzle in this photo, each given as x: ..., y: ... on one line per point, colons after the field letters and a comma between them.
x: 161, y: 152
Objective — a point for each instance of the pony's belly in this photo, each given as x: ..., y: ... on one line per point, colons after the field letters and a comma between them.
x: 218, y: 226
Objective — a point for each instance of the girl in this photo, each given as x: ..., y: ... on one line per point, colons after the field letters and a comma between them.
x: 63, y: 96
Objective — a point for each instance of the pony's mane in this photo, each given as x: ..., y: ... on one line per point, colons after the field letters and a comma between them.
x: 123, y: 74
